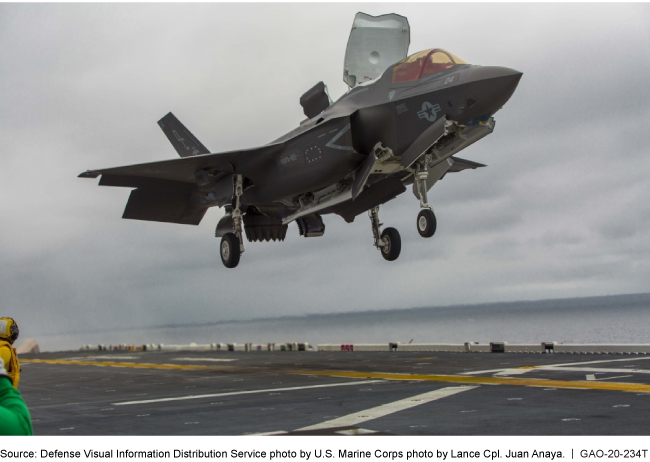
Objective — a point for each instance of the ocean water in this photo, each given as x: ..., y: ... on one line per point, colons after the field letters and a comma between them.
x: 610, y: 319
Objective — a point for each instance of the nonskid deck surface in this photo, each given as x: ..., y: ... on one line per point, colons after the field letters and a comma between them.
x: 405, y: 393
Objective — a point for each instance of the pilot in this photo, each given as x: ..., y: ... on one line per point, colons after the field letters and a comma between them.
x: 8, y: 335
x: 14, y: 415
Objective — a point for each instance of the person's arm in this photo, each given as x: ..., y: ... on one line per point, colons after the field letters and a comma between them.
x: 14, y: 416
x: 5, y: 355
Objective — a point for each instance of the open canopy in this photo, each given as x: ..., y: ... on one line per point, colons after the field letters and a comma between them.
x: 375, y: 43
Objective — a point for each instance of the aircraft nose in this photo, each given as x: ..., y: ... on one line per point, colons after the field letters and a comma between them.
x: 491, y: 87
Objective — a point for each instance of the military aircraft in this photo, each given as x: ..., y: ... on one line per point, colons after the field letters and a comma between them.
x: 401, y: 123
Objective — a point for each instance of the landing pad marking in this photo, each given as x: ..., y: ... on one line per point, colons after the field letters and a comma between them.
x: 246, y: 392
x: 191, y: 367
x: 524, y: 369
x: 597, y: 370
x: 389, y: 408
x: 612, y: 386
x: 593, y: 377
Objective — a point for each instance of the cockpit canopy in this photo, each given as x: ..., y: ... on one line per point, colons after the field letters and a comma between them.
x: 424, y: 63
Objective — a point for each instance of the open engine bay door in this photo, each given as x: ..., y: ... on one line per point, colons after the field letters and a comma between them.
x: 375, y: 43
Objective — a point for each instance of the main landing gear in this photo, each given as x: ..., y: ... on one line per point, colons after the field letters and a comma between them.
x: 232, y: 244
x: 389, y: 242
x: 426, y: 218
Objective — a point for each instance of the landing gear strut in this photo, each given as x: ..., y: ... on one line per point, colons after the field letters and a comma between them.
x: 232, y: 244
x: 426, y: 218
x: 389, y: 242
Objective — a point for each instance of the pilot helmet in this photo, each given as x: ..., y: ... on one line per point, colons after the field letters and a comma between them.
x: 8, y: 330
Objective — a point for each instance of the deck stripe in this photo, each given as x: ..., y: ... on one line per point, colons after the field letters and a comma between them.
x: 182, y: 367
x: 389, y: 408
x: 614, y: 386
x: 245, y: 392
x: 597, y: 370
x: 464, y: 379
x: 524, y: 369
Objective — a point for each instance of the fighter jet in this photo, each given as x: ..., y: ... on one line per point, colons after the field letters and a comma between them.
x: 401, y: 123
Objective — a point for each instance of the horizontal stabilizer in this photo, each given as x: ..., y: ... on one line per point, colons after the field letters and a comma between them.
x: 181, y: 138
x: 163, y: 206
x: 146, y: 183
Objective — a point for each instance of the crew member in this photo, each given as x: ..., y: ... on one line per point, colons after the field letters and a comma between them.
x: 14, y: 416
x: 8, y: 335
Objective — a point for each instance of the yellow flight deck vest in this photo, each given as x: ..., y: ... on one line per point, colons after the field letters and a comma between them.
x: 13, y: 368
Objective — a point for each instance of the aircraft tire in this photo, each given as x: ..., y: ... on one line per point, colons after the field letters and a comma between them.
x: 394, y: 247
x: 229, y: 250
x: 427, y: 223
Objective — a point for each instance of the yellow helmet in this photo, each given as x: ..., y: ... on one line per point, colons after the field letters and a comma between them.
x: 8, y: 330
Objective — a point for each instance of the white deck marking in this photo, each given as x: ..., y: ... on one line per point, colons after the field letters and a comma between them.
x: 598, y: 370
x: 279, y: 432
x: 245, y: 392
x: 523, y: 370
x: 356, y: 431
x: 388, y: 408
x: 593, y: 377
x: 204, y: 359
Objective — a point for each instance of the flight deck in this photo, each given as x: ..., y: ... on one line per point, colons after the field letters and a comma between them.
x: 335, y: 393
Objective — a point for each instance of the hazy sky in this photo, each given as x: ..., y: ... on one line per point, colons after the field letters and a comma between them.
x: 562, y: 210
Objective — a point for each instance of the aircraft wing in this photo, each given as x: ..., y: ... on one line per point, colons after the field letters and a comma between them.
x: 245, y: 161
x: 463, y: 164
x: 167, y: 190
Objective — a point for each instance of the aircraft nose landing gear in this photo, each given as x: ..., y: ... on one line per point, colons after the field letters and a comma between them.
x: 427, y: 222
x: 389, y: 242
x: 232, y: 244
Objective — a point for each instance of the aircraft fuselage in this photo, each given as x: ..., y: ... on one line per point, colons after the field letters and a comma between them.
x: 333, y: 144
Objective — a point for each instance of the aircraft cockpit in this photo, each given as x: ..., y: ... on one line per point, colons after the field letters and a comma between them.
x: 423, y: 64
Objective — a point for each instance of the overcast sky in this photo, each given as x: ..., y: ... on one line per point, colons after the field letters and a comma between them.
x: 562, y: 210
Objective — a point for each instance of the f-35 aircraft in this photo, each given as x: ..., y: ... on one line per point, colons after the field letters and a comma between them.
x: 401, y: 123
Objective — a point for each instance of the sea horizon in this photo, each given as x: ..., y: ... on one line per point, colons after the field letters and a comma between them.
x: 597, y: 319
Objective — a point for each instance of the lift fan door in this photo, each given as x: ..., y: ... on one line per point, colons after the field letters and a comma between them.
x: 375, y: 43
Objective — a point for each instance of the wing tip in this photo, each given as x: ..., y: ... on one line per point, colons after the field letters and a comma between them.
x: 89, y: 174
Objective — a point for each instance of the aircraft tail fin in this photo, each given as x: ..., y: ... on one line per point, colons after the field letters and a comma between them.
x: 181, y: 138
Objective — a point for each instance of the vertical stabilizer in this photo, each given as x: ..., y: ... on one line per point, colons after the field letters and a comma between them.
x: 181, y: 138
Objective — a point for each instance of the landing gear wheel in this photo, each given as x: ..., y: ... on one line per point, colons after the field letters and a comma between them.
x: 426, y: 223
x: 393, y: 246
x: 229, y: 250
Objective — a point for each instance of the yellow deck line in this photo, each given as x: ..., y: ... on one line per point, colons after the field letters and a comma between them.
x: 616, y: 386
x: 577, y: 384
x: 185, y: 367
